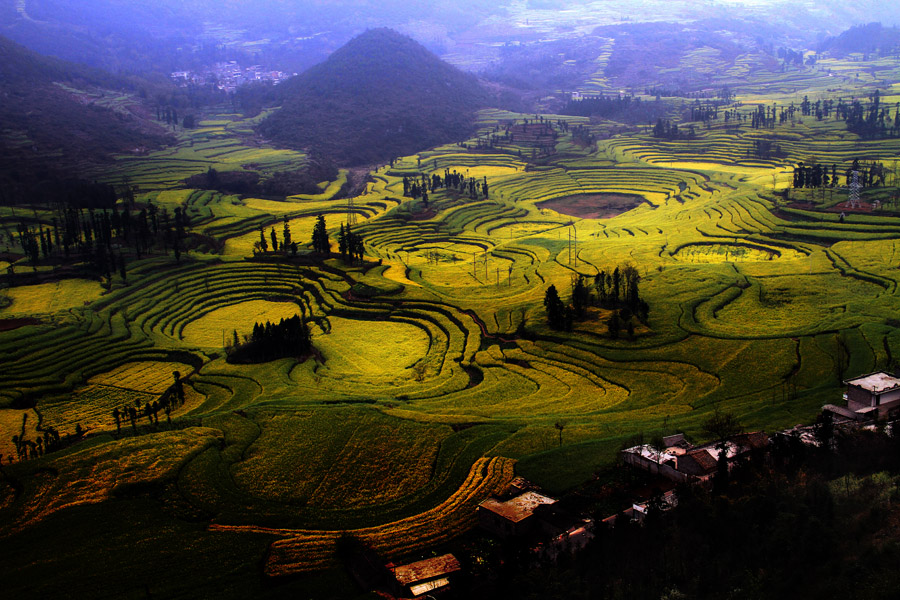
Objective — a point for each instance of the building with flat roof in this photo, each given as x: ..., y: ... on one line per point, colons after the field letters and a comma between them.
x: 873, y: 396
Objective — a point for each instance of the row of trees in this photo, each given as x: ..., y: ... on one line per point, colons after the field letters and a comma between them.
x: 100, y: 237
x: 286, y: 245
x: 418, y: 187
x: 171, y: 399
x: 816, y: 175
x: 51, y: 439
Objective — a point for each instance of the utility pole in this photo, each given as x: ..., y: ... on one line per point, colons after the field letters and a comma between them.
x: 575, y: 241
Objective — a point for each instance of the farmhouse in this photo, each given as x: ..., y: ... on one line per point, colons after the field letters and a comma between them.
x: 682, y: 462
x: 872, y: 396
x: 418, y: 579
x: 514, y: 517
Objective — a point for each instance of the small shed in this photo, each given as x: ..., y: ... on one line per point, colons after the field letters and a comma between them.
x: 512, y: 517
x: 417, y: 579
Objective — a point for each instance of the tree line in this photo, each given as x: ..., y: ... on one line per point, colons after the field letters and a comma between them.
x: 99, y: 237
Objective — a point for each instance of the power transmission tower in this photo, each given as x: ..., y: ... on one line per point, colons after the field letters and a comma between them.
x: 854, y: 190
x: 351, y: 212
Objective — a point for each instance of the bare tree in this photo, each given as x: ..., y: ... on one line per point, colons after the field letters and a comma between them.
x: 560, y: 425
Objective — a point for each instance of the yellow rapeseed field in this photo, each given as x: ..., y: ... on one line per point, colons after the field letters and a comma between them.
x: 371, y: 348
x: 151, y: 377
x: 208, y: 330
x: 51, y: 297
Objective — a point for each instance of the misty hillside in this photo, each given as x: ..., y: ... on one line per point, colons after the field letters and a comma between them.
x: 379, y: 96
x: 56, y: 115
x: 869, y: 38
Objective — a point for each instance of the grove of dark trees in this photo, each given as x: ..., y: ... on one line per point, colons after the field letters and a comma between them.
x: 289, y: 338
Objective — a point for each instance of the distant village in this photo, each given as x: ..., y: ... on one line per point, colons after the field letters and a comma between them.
x: 228, y: 76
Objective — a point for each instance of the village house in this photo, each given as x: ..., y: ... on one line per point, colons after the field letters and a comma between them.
x: 514, y: 517
x: 424, y: 577
x: 681, y: 462
x: 869, y: 397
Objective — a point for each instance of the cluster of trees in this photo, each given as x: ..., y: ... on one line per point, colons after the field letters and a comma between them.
x: 665, y: 129
x: 418, y: 187
x: 816, y: 175
x: 270, y: 341
x: 721, y: 95
x: 704, y: 111
x: 627, y: 109
x: 766, y: 149
x: 171, y: 399
x: 790, y: 56
x: 617, y: 291
x: 350, y: 244
x: 872, y: 121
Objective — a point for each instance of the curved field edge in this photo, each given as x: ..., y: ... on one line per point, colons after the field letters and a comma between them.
x: 304, y: 550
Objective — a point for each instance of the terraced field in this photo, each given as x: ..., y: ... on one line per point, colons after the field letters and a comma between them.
x: 433, y: 366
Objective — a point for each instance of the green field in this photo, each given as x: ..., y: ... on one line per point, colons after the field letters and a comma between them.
x: 434, y: 354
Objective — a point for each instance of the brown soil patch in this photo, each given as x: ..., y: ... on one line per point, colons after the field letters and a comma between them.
x: 594, y: 206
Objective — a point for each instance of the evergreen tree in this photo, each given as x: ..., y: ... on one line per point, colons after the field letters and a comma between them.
x: 320, y: 241
x: 286, y: 242
x: 556, y: 310
x: 263, y: 244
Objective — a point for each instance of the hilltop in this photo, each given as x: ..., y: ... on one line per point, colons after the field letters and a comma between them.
x: 379, y: 96
x: 57, y: 117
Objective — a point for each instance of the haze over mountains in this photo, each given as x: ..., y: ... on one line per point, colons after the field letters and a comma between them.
x: 167, y: 35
